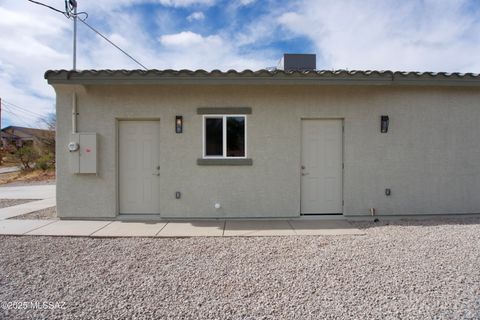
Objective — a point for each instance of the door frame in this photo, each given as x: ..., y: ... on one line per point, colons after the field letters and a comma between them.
x: 117, y: 158
x: 342, y: 120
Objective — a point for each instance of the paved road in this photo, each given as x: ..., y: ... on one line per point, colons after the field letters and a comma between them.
x: 9, y: 169
x: 28, y: 192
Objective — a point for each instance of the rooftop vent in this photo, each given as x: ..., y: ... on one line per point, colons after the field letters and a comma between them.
x: 298, y: 62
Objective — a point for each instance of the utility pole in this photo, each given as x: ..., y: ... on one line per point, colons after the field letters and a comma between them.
x: 74, y: 3
x: 74, y: 94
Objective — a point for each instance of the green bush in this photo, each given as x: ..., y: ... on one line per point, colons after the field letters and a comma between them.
x: 45, y: 162
x: 26, y: 155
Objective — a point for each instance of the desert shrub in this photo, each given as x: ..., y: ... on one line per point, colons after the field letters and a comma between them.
x: 45, y: 162
x: 26, y: 155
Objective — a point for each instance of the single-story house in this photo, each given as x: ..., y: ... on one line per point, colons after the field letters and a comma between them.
x: 267, y: 143
x: 22, y: 136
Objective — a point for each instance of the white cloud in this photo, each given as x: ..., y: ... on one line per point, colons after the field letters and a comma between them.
x: 189, y: 50
x: 380, y: 34
x: 374, y: 34
x: 12, y: 91
x: 30, y: 45
x: 35, y: 39
x: 246, y: 2
x: 198, y: 15
x: 261, y: 30
x: 115, y: 5
x: 189, y: 39
x: 186, y: 3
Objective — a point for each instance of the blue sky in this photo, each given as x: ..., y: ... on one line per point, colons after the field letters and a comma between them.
x: 409, y: 35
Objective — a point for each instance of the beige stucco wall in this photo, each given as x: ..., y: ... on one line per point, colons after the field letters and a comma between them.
x: 430, y: 158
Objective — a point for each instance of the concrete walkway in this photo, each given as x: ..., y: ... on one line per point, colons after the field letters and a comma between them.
x: 176, y: 228
x: 183, y: 228
x: 28, y: 192
x: 13, y: 211
x: 44, y: 192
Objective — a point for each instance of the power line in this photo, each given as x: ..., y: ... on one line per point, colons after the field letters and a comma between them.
x: 69, y: 6
x: 24, y: 110
x: 30, y: 115
x: 22, y: 118
x: 20, y: 114
x: 17, y: 119
x: 20, y: 108
x: 113, y: 44
x: 49, y: 7
x: 70, y: 14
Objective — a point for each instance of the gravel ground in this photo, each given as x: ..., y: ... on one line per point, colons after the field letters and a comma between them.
x: 45, y: 214
x: 405, y: 270
x: 4, y: 203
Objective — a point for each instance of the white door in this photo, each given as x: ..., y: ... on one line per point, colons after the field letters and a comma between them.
x: 322, y: 166
x: 139, y: 170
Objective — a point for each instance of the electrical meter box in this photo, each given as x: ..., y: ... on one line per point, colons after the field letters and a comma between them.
x: 83, y: 152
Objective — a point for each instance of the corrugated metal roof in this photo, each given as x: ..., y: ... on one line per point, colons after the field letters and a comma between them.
x: 327, y: 77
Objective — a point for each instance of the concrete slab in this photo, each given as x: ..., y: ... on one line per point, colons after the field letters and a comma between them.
x: 19, y: 227
x: 70, y: 228
x: 201, y: 228
x: 28, y: 192
x: 130, y: 229
x: 324, y: 228
x: 258, y: 228
x: 195, y: 228
x: 10, y: 212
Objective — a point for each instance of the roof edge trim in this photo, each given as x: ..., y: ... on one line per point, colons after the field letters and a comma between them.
x: 260, y: 77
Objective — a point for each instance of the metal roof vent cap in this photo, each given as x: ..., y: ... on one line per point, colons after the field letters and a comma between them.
x: 298, y: 62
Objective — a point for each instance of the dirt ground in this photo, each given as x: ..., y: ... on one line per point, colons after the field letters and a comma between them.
x: 28, y: 177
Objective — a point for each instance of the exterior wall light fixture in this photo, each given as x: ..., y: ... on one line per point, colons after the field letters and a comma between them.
x: 178, y: 124
x: 384, y: 124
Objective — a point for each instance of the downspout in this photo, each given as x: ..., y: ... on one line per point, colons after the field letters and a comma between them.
x: 74, y: 112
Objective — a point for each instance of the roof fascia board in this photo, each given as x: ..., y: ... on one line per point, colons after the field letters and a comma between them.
x: 217, y: 81
x: 437, y: 82
x: 66, y: 78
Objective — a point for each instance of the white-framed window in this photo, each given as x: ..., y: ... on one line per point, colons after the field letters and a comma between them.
x: 224, y: 136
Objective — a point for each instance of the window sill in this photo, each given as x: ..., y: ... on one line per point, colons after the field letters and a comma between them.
x: 224, y: 162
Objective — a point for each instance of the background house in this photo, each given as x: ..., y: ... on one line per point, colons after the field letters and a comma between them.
x: 14, y: 136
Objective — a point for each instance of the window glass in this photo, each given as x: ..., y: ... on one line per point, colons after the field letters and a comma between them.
x: 235, y: 136
x: 214, y: 137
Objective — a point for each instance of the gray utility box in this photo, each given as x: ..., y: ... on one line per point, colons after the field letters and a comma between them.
x: 83, y: 152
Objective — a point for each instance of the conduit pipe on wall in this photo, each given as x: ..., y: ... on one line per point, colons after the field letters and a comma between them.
x: 74, y: 112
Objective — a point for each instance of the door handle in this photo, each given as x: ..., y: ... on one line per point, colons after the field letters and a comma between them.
x: 305, y: 174
x: 156, y: 174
